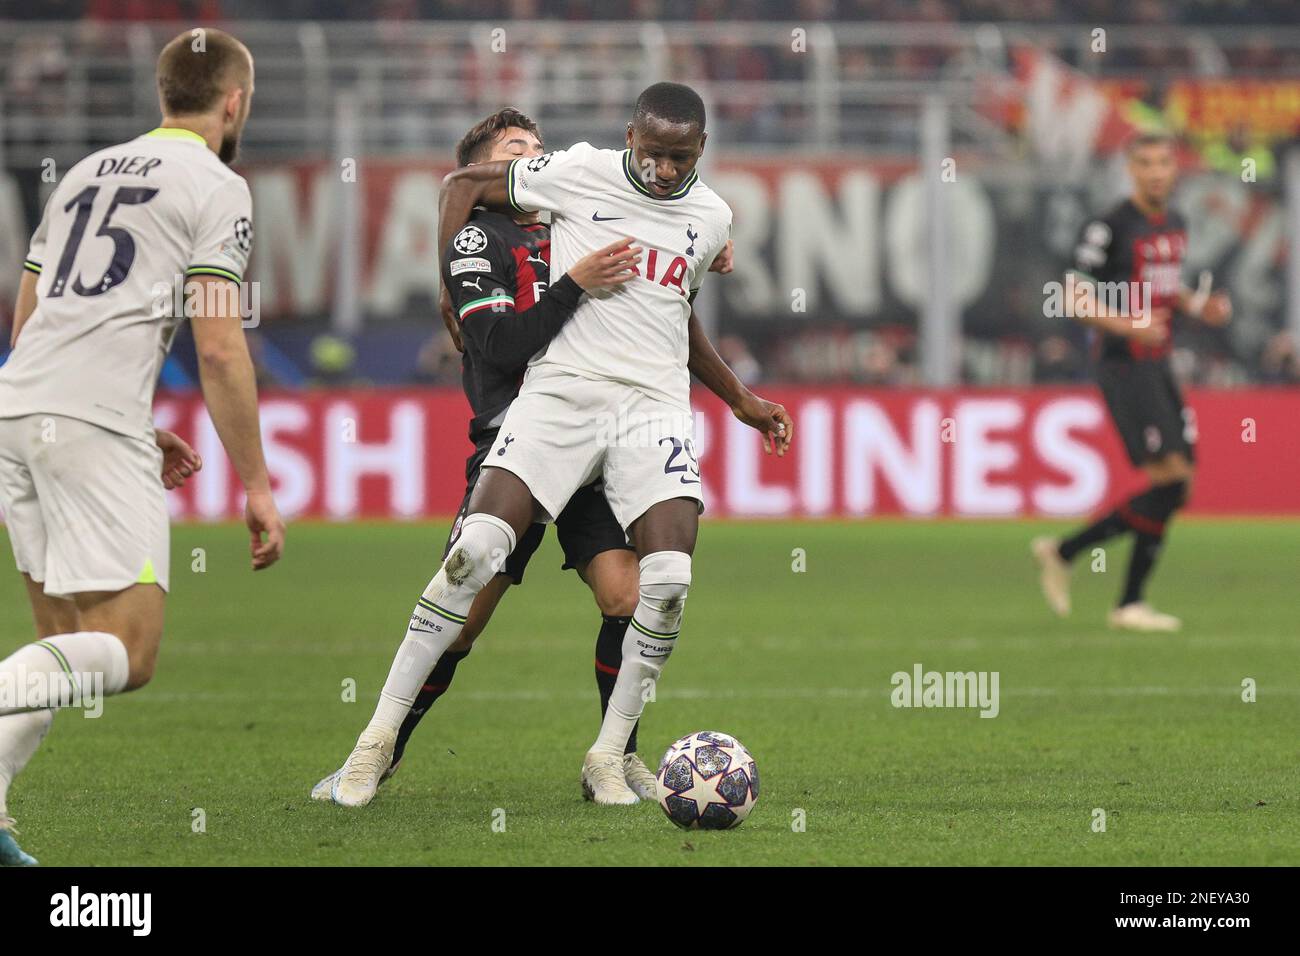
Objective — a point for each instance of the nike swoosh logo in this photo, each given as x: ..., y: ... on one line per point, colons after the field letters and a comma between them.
x: 692, y: 481
x: 652, y: 656
x: 597, y: 217
x: 423, y: 630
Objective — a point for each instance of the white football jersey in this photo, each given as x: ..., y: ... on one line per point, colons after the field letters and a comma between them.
x: 636, y: 334
x: 125, y: 224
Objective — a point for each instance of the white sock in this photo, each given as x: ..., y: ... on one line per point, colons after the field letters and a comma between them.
x: 650, y: 637
x: 20, y: 735
x: 62, y: 671
x: 479, y: 553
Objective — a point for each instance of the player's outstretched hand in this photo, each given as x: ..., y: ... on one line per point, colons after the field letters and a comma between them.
x: 263, y: 518
x: 1155, y: 331
x: 606, y: 268
x: 1217, y: 310
x: 724, y: 262
x: 180, y: 461
x: 771, y: 419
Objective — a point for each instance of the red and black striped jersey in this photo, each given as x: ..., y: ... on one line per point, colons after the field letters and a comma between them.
x: 499, y: 282
x: 1129, y: 254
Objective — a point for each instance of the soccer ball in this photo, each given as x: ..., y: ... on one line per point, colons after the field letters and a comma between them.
x: 707, y: 781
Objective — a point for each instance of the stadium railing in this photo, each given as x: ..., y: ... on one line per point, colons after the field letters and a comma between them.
x: 69, y: 87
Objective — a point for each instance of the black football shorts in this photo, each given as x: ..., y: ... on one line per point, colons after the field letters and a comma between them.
x: 1147, y: 408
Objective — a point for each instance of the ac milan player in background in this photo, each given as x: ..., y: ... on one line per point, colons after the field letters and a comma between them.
x: 1137, y: 249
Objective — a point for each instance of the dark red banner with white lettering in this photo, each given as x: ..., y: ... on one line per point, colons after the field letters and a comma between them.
x: 857, y: 453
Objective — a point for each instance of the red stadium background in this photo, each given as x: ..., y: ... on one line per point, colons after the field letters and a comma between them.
x: 857, y: 453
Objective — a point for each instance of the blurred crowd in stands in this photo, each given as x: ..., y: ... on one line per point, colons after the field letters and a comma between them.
x: 1142, y: 12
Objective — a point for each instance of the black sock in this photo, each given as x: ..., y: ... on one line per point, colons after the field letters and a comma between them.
x: 1145, y: 512
x: 1148, y: 513
x: 435, y: 685
x: 1095, y: 533
x: 1146, y: 548
x: 1150, y: 510
x: 609, y: 657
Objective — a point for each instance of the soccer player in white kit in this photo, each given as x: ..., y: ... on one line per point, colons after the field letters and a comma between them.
x: 79, y: 467
x: 609, y: 396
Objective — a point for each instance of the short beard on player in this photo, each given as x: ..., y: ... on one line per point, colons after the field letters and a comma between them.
x: 229, y: 151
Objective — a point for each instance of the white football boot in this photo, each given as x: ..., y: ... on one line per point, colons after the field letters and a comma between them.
x: 603, y: 781
x: 359, y: 777
x: 324, y: 789
x: 640, y: 778
x: 1054, y: 577
x: 1140, y: 616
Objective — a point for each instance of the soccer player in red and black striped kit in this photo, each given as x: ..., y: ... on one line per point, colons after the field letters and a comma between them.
x: 1137, y: 251
x: 503, y: 309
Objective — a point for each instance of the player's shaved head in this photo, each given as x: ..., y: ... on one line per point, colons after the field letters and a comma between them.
x: 197, y: 68
x: 673, y: 103
x: 666, y: 137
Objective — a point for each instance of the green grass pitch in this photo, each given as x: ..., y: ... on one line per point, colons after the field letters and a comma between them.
x: 246, y: 712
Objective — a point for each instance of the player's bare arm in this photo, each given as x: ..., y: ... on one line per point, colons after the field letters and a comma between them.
x: 724, y: 261
x: 768, y: 418
x: 482, y: 184
x: 1210, y: 308
x: 230, y: 392
x: 1149, y: 328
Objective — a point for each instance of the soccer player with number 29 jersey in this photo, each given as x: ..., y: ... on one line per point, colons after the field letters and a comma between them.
x: 502, y: 309
x: 1129, y: 266
x: 609, y: 397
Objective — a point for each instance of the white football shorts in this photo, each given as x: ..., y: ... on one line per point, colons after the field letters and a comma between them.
x: 84, y: 506
x: 564, y: 431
